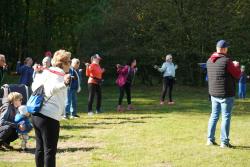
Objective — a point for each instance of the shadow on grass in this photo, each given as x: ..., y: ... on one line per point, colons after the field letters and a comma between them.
x: 67, y: 137
x: 130, y: 118
x: 59, y: 150
x: 67, y: 127
x: 74, y: 149
x: 242, y: 147
x: 116, y: 123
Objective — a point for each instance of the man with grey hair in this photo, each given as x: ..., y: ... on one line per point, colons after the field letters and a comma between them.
x: 73, y: 89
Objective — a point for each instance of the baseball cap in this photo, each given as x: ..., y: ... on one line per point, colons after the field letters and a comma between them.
x: 222, y: 44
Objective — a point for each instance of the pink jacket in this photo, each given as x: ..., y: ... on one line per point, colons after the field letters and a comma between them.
x: 122, y: 75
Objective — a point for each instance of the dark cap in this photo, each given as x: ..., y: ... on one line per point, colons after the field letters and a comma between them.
x: 222, y: 44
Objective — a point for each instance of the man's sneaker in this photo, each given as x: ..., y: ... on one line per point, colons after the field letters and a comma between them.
x: 161, y: 102
x: 211, y: 143
x: 228, y: 145
x: 90, y: 113
x: 65, y: 117
x: 73, y: 117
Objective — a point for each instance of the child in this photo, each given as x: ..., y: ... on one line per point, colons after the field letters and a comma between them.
x: 8, y: 127
x: 22, y: 118
x: 242, y: 83
x: 74, y: 87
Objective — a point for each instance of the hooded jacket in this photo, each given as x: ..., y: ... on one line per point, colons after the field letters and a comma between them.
x: 222, y: 74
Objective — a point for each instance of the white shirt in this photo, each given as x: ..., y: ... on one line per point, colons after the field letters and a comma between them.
x: 55, y: 93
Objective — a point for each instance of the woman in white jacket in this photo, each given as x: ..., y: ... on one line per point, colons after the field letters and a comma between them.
x: 46, y: 122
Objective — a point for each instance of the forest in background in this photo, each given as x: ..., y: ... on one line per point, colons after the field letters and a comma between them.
x: 119, y: 29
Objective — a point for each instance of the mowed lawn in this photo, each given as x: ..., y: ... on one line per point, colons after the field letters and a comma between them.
x: 150, y: 136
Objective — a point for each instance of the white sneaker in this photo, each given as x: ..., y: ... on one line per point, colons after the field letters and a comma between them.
x: 223, y: 145
x: 90, y: 113
x: 211, y: 143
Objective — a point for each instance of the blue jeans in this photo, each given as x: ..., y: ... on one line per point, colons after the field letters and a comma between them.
x: 71, y: 107
x: 242, y: 90
x: 223, y: 106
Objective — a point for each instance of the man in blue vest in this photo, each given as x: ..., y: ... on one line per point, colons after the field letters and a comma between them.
x: 222, y: 72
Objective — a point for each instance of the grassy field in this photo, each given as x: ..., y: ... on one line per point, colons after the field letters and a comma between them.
x: 150, y: 136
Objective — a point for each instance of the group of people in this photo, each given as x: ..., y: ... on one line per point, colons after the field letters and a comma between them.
x: 61, y: 78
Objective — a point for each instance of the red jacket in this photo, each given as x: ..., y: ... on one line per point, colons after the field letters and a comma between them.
x: 94, y: 72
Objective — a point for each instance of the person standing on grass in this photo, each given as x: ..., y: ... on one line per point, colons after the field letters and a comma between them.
x: 26, y: 71
x: 46, y: 122
x: 73, y: 89
x: 124, y: 81
x: 94, y: 72
x: 168, y: 69
x: 242, y: 83
x: 222, y: 72
x: 2, y: 68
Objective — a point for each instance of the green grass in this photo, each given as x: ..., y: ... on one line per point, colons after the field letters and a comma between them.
x: 151, y: 136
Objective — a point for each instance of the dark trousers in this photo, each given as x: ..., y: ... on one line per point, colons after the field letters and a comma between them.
x: 7, y: 134
x: 47, y: 134
x: 94, y: 89
x: 168, y: 83
x: 125, y: 88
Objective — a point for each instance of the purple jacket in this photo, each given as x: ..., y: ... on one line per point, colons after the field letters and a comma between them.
x: 122, y: 75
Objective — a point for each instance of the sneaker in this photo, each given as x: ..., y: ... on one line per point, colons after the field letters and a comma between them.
x: 130, y: 107
x: 161, y: 102
x: 73, y: 117
x: 65, y: 117
x: 7, y: 146
x: 170, y: 102
x: 228, y: 145
x: 90, y: 113
x: 211, y: 143
x: 120, y: 108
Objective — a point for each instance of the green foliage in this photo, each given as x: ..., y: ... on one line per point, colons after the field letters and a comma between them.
x: 118, y: 30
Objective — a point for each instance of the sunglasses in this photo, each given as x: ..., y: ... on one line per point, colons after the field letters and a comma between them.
x: 68, y: 62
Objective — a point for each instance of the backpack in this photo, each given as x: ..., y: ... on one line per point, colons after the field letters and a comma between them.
x: 36, y: 100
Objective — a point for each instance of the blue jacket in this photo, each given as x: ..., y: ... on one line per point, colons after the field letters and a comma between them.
x: 26, y: 73
x: 243, y: 78
x: 22, y: 120
x: 75, y: 79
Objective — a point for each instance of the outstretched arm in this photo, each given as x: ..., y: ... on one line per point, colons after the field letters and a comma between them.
x: 163, y: 68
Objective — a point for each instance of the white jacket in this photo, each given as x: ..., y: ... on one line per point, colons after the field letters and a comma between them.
x: 55, y: 93
x: 168, y: 69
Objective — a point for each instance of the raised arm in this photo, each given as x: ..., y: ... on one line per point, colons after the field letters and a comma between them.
x: 163, y: 67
